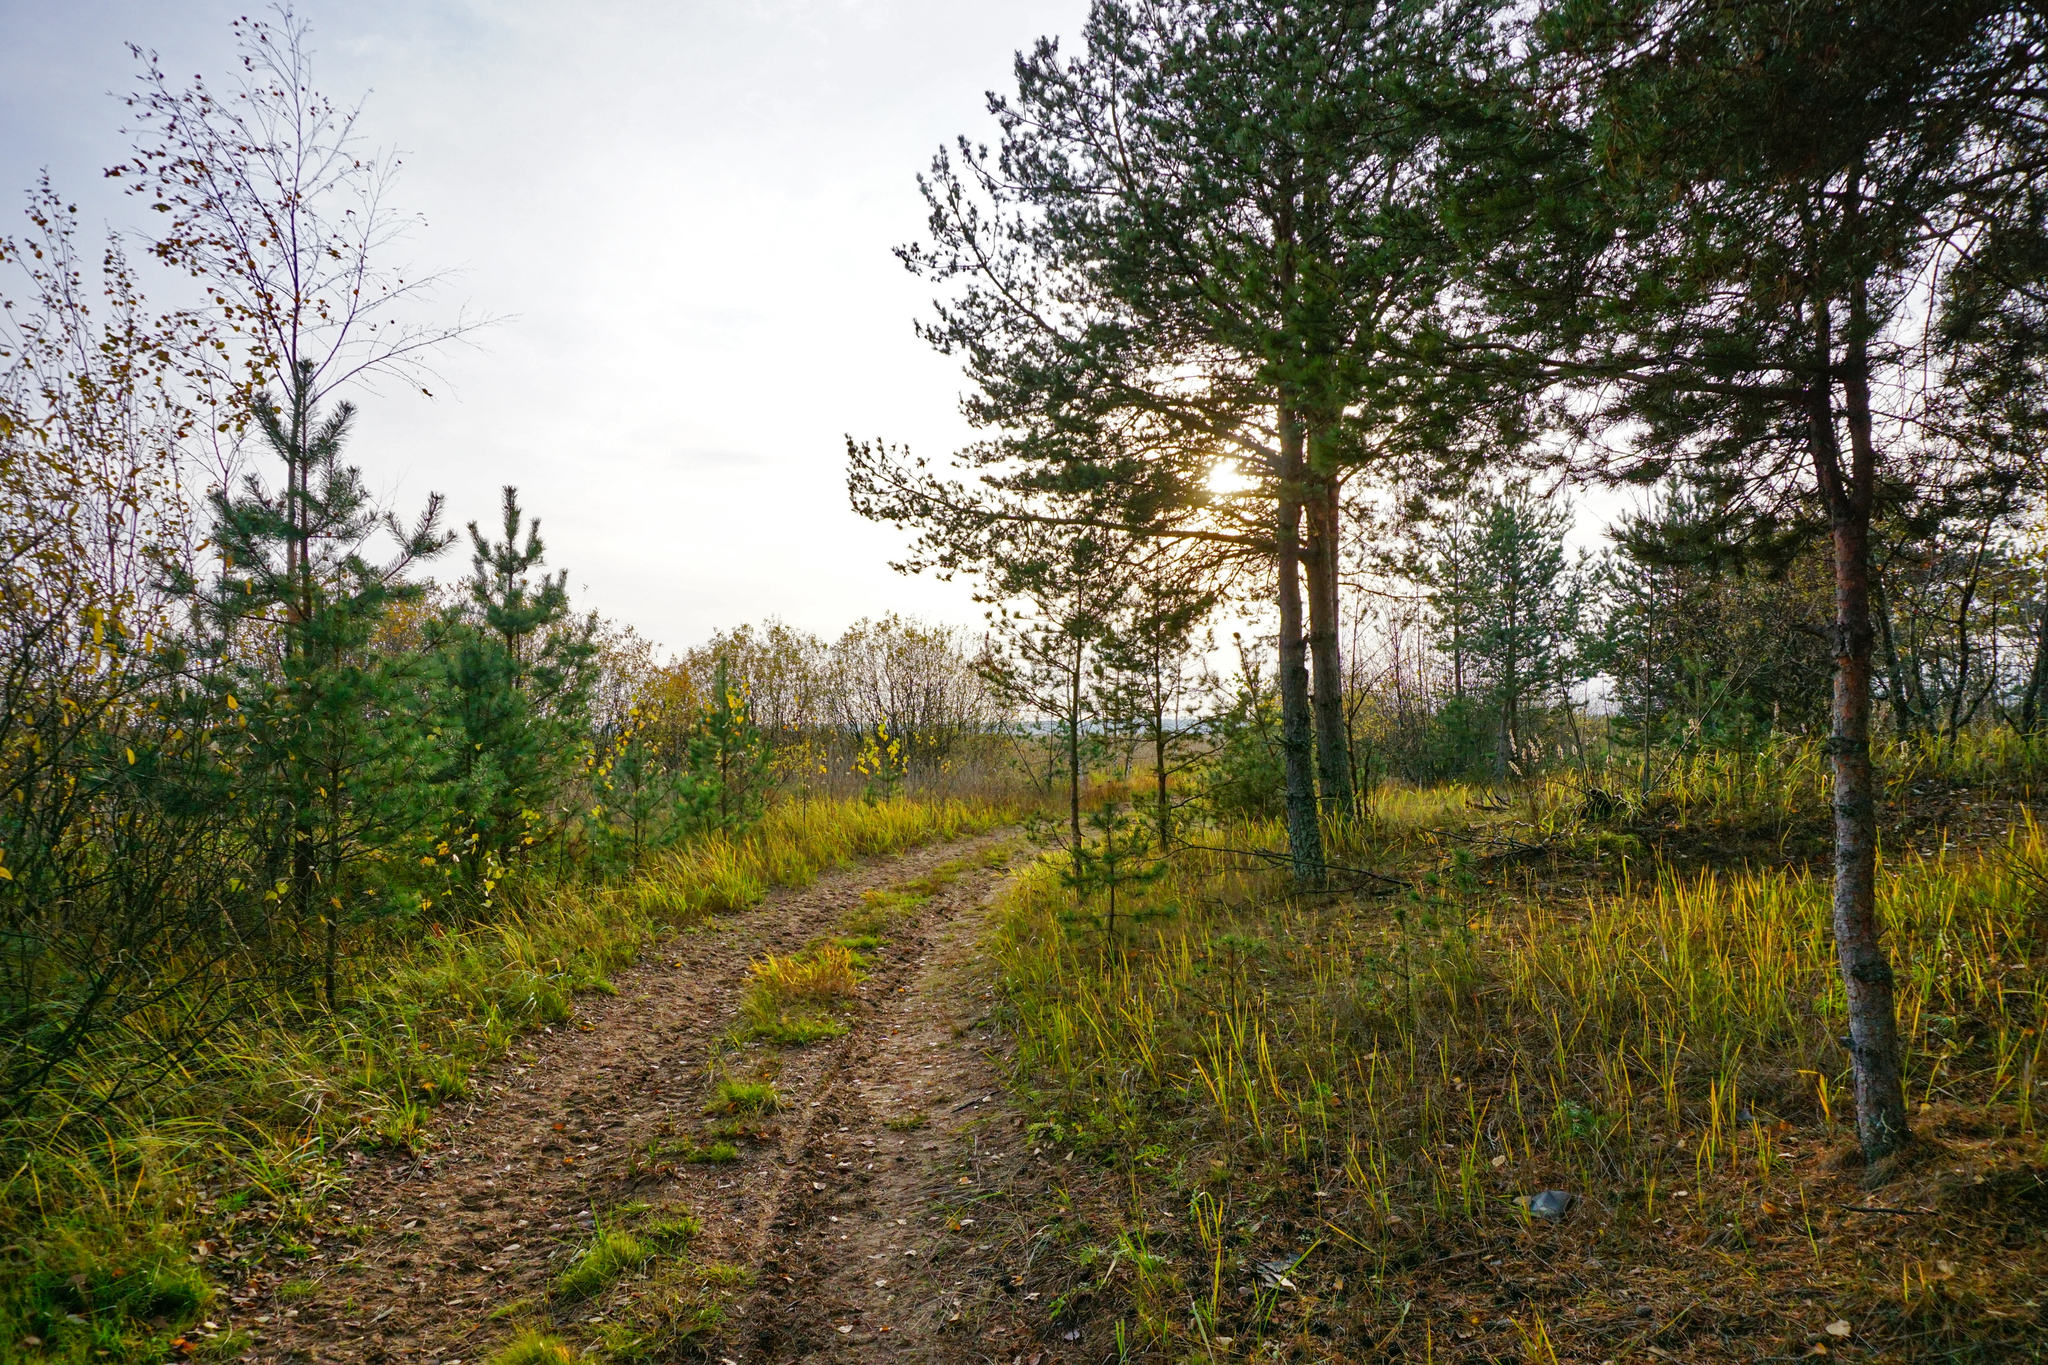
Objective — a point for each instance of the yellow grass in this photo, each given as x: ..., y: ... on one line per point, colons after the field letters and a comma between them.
x: 824, y: 976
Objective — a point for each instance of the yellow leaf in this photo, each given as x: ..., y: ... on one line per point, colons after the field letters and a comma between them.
x: 233, y: 705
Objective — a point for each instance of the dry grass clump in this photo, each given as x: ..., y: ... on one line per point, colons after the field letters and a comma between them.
x: 1379, y: 1084
x: 790, y: 1000
x: 825, y: 975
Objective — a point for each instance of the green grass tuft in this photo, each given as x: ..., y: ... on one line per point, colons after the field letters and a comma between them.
x: 672, y: 1231
x: 614, y: 1253
x: 787, y: 1030
x: 745, y: 1097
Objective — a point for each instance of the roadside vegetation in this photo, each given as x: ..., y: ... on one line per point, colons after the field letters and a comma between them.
x: 1526, y: 1086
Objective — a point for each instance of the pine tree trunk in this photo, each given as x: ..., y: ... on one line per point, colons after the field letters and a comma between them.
x: 1074, y: 762
x: 1304, y: 834
x: 1333, y: 740
x: 1165, y: 811
x: 331, y: 951
x: 1866, y: 971
x: 1510, y: 689
x: 1881, y: 1120
x: 1881, y: 616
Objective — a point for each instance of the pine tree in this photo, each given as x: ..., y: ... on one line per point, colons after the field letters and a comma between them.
x: 517, y: 671
x: 1054, y: 592
x: 1708, y: 646
x: 648, y: 796
x: 1507, y: 607
x: 1120, y: 861
x: 333, y: 731
x: 1148, y: 676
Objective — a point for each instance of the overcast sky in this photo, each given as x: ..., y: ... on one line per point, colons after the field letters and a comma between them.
x: 684, y: 212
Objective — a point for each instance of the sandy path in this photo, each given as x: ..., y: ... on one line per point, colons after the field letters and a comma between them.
x: 895, y: 1248
x: 466, y: 1241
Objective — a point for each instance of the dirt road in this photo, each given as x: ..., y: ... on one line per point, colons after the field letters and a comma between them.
x: 859, y: 1220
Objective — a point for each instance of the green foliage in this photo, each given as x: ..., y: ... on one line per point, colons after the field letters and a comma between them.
x: 793, y: 1029
x: 124, y: 879
x: 89, y: 1292
x: 789, y: 999
x: 712, y: 1154
x: 516, y: 678
x: 728, y: 762
x: 1709, y: 650
x: 672, y: 1232
x: 324, y: 760
x: 1245, y: 773
x: 661, y: 1325
x: 880, y: 764
x: 1147, y: 684
x: 1507, y: 609
x: 744, y: 1097
x: 645, y: 796
x: 1117, y: 863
